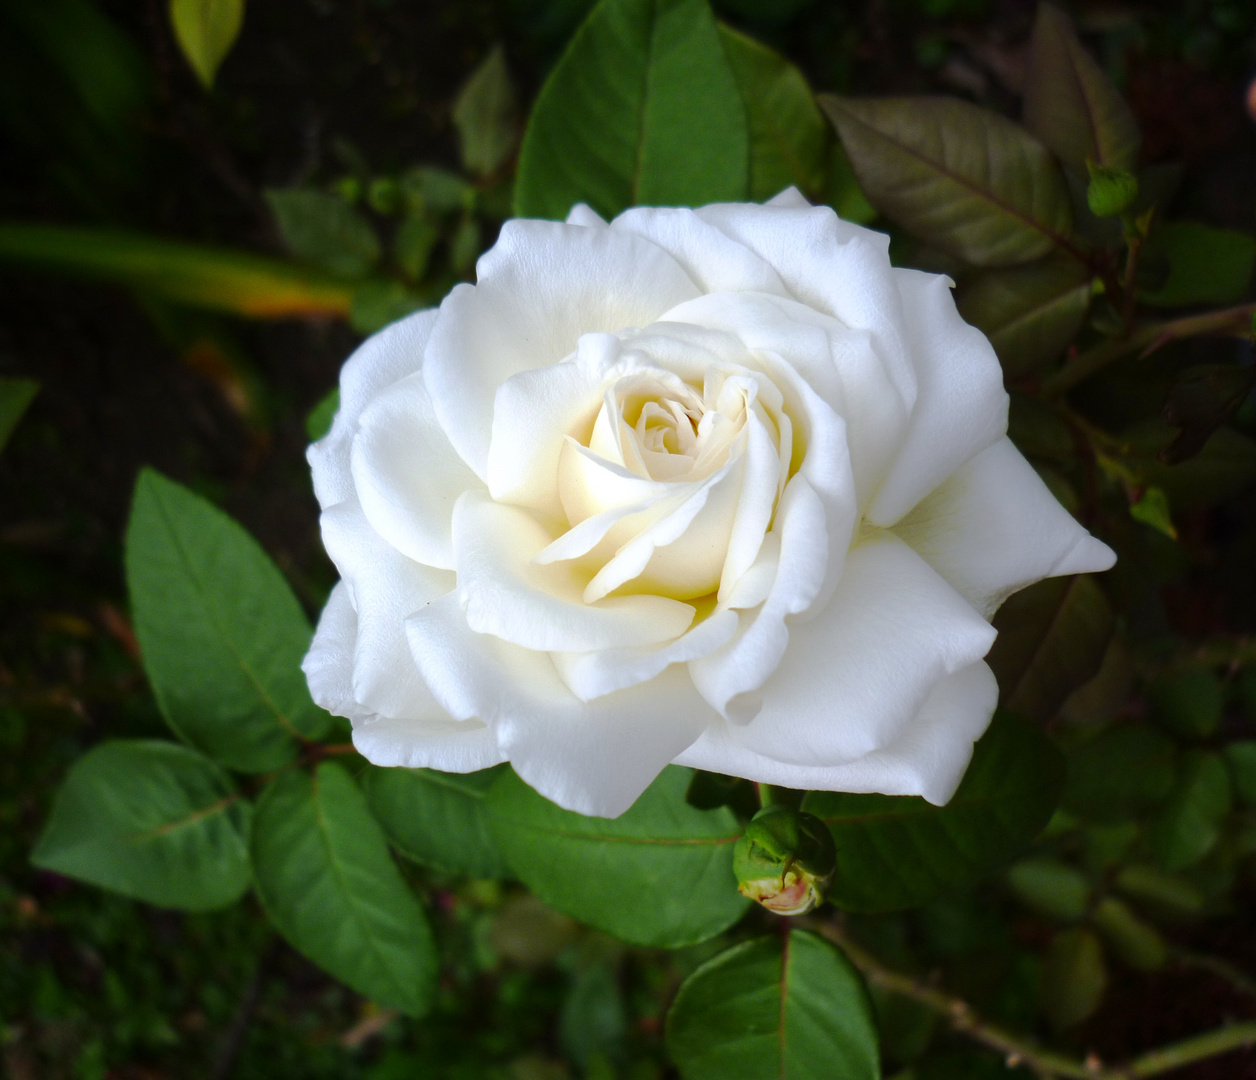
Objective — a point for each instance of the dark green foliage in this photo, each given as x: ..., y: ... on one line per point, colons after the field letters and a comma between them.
x: 152, y: 820
x: 896, y: 852
x: 660, y: 874
x: 642, y: 108
x: 325, y: 877
x: 788, y: 1006
x: 221, y: 632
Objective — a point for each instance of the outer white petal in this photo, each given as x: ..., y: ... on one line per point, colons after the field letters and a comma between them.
x: 728, y: 677
x: 831, y: 265
x: 541, y: 286
x: 928, y: 758
x: 447, y: 744
x: 791, y: 197
x: 993, y: 527
x: 450, y: 746
x: 713, y: 259
x: 594, y: 674
x: 407, y: 475
x: 961, y: 407
x: 854, y: 676
x: 506, y: 594
x: 385, y: 587
x: 594, y: 757
x: 328, y: 666
x: 381, y: 360
x: 583, y: 214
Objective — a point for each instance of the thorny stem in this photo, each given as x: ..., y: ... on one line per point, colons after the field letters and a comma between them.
x: 1147, y: 339
x: 1018, y: 1050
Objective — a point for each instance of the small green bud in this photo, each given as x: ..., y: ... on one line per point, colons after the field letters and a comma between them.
x: 1111, y: 191
x: 384, y: 195
x: 785, y: 860
x: 348, y: 188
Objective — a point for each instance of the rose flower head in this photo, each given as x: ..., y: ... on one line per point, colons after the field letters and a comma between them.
x: 718, y: 487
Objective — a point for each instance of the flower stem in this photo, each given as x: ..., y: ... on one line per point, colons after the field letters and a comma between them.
x: 1019, y: 1050
x: 1148, y: 338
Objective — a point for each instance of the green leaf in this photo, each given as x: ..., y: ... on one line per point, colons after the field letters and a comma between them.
x: 318, y: 422
x: 789, y: 139
x: 1125, y: 770
x: 486, y: 117
x: 1052, y: 639
x: 643, y: 107
x: 205, y: 31
x: 1187, y: 703
x: 1050, y: 887
x: 234, y: 282
x: 660, y: 874
x: 1132, y: 939
x: 438, y: 819
x: 1188, y: 825
x: 958, y: 177
x: 1224, y: 466
x: 380, y: 301
x: 326, y: 880
x: 1206, y: 265
x: 1171, y: 896
x: 15, y: 397
x: 1074, y: 979
x: 1152, y: 509
x: 325, y: 230
x: 152, y: 820
x: 221, y: 634
x: 1201, y: 399
x: 1029, y: 313
x: 1241, y: 757
x: 1070, y: 104
x: 412, y: 246
x: 896, y: 851
x: 790, y: 1007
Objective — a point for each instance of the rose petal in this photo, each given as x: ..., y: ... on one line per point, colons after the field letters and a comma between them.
x: 328, y: 666
x: 541, y: 286
x: 832, y: 266
x: 535, y: 413
x: 961, y: 407
x: 710, y: 257
x: 682, y: 551
x: 385, y: 587
x: 726, y: 677
x: 382, y: 359
x: 407, y: 475
x: 928, y: 758
x: 584, y: 215
x: 836, y: 365
x: 590, y: 757
x: 856, y: 674
x: 993, y: 527
x: 453, y: 746
x: 540, y: 606
x: 594, y: 674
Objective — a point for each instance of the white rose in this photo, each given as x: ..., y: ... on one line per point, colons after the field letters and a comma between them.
x: 716, y: 487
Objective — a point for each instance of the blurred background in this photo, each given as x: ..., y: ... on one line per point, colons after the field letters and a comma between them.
x: 187, y: 257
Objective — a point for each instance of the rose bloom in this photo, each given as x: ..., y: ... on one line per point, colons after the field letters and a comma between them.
x: 718, y: 487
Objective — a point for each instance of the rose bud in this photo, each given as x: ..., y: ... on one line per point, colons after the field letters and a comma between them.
x: 1111, y: 191
x: 785, y: 860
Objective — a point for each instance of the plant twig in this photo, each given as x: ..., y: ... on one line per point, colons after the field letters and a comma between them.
x: 1223, y: 970
x: 1147, y: 339
x: 233, y: 1041
x: 1019, y: 1050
